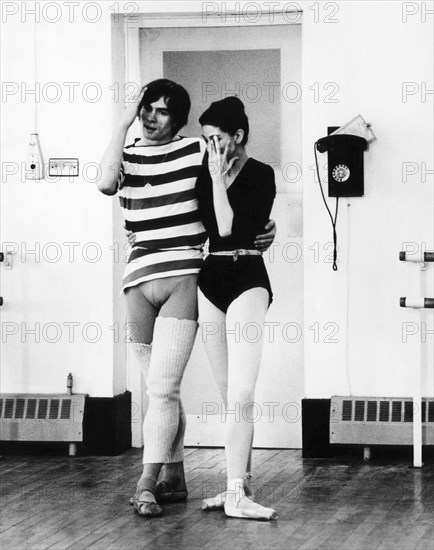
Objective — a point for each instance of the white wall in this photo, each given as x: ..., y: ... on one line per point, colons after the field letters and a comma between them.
x: 37, y: 290
x: 368, y: 53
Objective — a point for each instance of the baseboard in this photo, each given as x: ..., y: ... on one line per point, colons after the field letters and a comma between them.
x: 107, y: 425
x: 106, y: 431
x: 209, y: 431
x: 315, y: 415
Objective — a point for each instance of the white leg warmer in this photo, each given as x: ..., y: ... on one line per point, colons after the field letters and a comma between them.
x: 143, y: 352
x: 176, y: 453
x: 171, y: 348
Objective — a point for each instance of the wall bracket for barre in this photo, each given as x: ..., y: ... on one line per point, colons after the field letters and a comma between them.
x: 6, y: 259
x: 423, y: 257
x: 417, y: 302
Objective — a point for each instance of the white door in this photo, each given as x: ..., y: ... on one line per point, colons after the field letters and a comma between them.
x: 260, y: 64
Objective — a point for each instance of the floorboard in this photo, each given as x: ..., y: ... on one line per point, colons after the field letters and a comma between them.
x: 61, y: 503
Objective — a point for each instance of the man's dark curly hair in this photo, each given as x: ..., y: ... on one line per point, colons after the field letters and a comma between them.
x: 176, y: 98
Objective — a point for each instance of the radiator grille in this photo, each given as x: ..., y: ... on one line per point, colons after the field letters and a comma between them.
x: 431, y: 411
x: 359, y: 413
x: 408, y: 411
x: 42, y: 409
x: 54, y: 409
x: 384, y: 411
x: 369, y: 420
x: 9, y: 408
x: 396, y: 411
x: 31, y: 408
x: 402, y: 411
x: 347, y: 410
x: 41, y: 417
x: 371, y: 415
x: 21, y: 408
x: 66, y: 409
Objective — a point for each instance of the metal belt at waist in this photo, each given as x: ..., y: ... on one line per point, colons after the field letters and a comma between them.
x: 236, y: 253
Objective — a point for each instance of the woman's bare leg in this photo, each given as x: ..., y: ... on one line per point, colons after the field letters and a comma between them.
x: 243, y: 369
x: 212, y: 331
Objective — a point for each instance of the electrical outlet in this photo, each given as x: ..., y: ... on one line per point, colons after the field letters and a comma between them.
x: 63, y: 167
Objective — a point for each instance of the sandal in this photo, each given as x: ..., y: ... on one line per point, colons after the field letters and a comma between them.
x: 144, y: 504
x: 164, y: 494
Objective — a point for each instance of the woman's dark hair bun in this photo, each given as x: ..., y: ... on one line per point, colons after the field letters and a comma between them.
x: 234, y: 102
x: 229, y: 115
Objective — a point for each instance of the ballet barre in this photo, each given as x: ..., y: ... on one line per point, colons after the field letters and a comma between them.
x: 422, y: 303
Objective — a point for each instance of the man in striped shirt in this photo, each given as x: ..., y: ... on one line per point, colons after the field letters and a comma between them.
x: 155, y: 179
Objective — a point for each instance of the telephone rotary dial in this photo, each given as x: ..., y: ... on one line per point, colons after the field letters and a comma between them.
x: 341, y: 173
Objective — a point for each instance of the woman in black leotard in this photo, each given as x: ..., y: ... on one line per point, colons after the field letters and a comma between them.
x: 236, y: 194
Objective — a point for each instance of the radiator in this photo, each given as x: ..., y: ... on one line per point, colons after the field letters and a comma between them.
x: 378, y: 420
x: 41, y: 417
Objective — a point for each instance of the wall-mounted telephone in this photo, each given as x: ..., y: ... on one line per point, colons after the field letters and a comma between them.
x: 345, y: 164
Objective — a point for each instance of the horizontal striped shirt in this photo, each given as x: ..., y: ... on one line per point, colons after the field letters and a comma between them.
x: 156, y: 189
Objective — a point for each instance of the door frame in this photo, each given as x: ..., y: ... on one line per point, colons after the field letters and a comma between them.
x: 133, y: 24
x: 130, y: 48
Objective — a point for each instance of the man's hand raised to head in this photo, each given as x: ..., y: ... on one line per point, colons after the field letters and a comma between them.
x: 132, y: 109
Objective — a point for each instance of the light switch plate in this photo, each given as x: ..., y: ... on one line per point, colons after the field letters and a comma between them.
x: 63, y: 167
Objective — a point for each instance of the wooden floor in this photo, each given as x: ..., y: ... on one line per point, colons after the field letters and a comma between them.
x: 60, y: 502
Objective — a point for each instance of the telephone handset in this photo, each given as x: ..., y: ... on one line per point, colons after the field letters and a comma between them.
x: 345, y: 164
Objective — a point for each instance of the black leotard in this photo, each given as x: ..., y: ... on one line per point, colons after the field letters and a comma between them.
x: 251, y: 197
